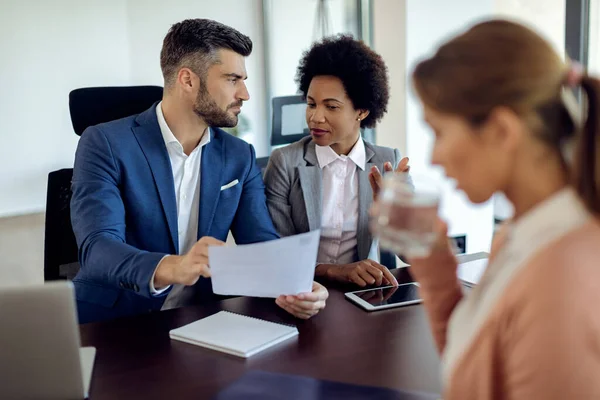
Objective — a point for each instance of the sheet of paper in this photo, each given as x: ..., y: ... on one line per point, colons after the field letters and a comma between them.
x: 279, y: 267
x: 470, y: 272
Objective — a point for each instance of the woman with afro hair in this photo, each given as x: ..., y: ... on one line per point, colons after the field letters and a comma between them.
x: 328, y: 180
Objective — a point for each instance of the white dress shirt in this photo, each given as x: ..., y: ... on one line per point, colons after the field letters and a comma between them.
x: 186, y: 176
x: 339, y: 216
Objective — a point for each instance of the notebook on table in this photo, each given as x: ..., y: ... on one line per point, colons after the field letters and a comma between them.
x: 260, y: 385
x: 470, y: 273
x: 235, y: 334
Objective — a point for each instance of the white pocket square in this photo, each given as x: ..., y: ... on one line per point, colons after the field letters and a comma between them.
x: 230, y: 184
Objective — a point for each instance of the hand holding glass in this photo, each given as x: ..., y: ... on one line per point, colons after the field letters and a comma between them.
x: 406, y: 216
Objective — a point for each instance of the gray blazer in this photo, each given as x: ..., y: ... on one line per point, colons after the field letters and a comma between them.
x: 294, y: 189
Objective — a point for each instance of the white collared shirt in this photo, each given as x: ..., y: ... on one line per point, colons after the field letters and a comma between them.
x: 339, y: 214
x: 186, y: 177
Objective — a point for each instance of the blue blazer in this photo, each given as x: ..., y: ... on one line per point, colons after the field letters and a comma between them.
x: 124, y: 212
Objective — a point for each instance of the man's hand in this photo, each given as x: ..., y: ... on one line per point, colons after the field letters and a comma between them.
x: 305, y: 305
x: 186, y: 269
x: 376, y: 179
x: 363, y: 273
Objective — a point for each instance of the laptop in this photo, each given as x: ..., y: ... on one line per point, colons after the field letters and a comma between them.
x: 40, y: 354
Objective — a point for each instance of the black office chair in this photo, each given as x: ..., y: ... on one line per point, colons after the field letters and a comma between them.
x: 262, y: 163
x: 94, y: 105
x: 60, y: 248
x: 88, y: 107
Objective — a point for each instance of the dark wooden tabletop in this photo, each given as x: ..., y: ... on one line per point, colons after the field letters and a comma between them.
x: 391, y: 348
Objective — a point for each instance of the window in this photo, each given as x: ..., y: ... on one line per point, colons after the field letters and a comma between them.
x: 546, y: 16
x: 292, y: 26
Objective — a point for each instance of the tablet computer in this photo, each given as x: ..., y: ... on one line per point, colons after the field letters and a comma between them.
x: 386, y: 297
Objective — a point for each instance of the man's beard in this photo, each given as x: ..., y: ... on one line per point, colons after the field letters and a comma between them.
x: 206, y: 108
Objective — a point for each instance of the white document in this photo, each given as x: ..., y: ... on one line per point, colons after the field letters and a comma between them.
x: 279, y: 267
x: 470, y: 272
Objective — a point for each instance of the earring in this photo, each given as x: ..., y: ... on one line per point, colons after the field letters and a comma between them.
x: 358, y: 119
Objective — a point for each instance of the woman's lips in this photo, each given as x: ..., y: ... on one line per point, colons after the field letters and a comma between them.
x: 318, y: 132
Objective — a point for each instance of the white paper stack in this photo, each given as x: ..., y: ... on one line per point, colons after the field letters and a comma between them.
x: 284, y: 266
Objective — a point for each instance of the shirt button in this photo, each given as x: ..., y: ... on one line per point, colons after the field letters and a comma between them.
x: 185, y: 196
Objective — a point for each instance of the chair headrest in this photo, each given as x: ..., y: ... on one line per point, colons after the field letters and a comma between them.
x: 95, y: 105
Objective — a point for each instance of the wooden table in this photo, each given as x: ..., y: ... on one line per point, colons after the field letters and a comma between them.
x: 390, y: 348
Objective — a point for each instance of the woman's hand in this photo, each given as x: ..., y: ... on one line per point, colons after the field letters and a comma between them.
x: 439, y: 268
x: 362, y: 273
x: 376, y: 178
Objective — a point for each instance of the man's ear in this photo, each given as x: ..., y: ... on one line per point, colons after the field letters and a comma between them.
x: 186, y: 79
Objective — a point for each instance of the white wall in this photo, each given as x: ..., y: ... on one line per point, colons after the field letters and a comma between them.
x: 429, y: 23
x: 546, y: 16
x: 389, y: 40
x: 48, y: 49
x: 594, y: 41
x: 149, y: 20
x: 52, y: 47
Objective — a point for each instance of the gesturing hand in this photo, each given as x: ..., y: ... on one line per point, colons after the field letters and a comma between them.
x: 363, y: 273
x: 376, y: 178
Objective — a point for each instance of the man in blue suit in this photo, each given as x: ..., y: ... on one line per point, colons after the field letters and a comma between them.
x: 153, y: 191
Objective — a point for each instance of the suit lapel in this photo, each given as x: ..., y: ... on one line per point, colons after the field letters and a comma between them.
x: 213, y: 162
x: 365, y: 198
x: 152, y: 143
x: 312, y: 186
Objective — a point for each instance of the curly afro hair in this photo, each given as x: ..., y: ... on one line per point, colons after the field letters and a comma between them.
x: 362, y: 72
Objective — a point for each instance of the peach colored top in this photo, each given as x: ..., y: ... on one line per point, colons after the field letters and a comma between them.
x: 531, y: 328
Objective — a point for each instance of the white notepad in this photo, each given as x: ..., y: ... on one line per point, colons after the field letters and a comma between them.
x: 234, y: 334
x: 470, y: 273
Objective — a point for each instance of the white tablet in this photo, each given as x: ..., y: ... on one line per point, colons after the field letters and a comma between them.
x: 386, y: 297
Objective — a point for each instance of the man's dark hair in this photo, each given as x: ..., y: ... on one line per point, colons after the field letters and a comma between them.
x: 193, y: 43
x: 362, y: 72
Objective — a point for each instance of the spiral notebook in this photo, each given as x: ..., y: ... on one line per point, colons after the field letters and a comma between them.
x: 234, y: 334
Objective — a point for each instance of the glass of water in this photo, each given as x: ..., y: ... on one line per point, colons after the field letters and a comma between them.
x: 406, y: 218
